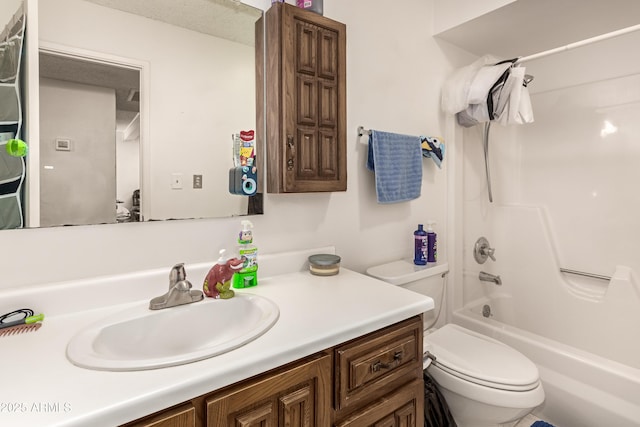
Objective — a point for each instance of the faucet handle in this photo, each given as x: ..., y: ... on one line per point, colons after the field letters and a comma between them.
x: 483, y: 250
x: 488, y: 252
x: 177, y: 274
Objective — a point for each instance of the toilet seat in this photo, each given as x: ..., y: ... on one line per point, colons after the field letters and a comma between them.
x: 481, y: 360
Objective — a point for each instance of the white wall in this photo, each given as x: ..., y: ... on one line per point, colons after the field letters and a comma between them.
x: 7, y: 9
x: 192, y: 113
x: 450, y: 13
x: 393, y: 84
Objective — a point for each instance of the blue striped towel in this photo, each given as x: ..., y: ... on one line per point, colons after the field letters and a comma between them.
x: 396, y: 161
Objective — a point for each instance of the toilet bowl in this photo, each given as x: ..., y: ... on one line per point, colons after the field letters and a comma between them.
x: 484, y: 381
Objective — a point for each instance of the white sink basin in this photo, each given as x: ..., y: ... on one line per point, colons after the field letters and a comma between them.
x: 138, y: 338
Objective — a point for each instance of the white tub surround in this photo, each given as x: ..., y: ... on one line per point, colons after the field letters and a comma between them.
x: 42, y: 388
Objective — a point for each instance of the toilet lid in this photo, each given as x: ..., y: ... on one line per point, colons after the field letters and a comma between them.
x: 480, y: 359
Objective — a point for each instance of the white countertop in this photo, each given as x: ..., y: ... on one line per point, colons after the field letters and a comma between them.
x: 40, y: 387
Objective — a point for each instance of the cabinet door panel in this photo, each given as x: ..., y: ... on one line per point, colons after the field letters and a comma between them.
x: 262, y: 416
x: 306, y: 102
x: 305, y: 47
x: 297, y: 407
x: 307, y: 148
x: 328, y: 105
x: 402, y: 408
x: 328, y: 55
x: 299, y: 396
x: 328, y: 152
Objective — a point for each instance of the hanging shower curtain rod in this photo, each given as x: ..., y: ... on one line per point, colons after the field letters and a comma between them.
x: 581, y: 43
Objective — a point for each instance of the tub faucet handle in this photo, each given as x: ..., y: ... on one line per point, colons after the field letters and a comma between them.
x: 489, y: 252
x: 483, y: 250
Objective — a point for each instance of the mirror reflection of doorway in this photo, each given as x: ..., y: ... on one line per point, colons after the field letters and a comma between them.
x: 89, y: 140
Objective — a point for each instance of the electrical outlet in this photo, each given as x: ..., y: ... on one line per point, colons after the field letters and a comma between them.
x: 197, y: 181
x: 176, y: 181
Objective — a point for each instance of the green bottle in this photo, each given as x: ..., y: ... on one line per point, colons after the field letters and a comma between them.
x: 247, y: 276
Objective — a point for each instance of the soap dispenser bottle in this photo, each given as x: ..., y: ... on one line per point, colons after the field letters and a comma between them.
x: 432, y: 243
x: 248, y: 253
x: 219, y: 278
x: 420, y: 246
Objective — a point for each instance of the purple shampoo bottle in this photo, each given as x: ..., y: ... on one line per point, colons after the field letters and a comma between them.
x: 432, y: 243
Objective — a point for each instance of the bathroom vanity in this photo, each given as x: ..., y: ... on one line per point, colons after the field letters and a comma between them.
x: 375, y: 378
x: 346, y: 350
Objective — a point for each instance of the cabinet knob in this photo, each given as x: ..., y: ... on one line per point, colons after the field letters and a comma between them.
x: 397, y: 358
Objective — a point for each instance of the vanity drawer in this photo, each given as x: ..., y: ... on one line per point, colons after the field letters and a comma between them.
x: 369, y: 367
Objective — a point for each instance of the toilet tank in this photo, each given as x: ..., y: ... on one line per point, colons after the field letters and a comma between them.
x: 423, y: 279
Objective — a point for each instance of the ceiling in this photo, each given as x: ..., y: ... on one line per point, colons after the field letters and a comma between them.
x: 525, y: 27
x: 220, y: 18
x: 125, y: 81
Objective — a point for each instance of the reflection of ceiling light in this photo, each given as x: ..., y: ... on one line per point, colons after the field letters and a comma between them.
x: 608, y: 129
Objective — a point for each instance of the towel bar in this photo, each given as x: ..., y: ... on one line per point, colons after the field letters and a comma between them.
x: 362, y: 131
x: 582, y: 273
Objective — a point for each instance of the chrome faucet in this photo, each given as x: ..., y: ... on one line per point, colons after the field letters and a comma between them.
x: 179, y: 291
x: 488, y: 277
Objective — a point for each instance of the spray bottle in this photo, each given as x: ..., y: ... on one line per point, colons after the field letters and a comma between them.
x: 248, y: 275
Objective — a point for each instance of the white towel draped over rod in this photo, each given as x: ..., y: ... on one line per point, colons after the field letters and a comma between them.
x: 581, y: 43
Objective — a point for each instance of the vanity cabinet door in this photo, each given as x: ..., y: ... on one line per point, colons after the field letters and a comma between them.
x: 299, y: 396
x: 306, y: 101
x: 402, y: 408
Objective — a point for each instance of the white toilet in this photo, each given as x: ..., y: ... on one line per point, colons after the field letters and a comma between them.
x: 484, y: 382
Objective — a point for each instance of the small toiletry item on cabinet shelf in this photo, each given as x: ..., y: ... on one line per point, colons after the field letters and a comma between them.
x: 432, y: 244
x: 420, y: 246
x: 312, y: 5
x: 247, y: 276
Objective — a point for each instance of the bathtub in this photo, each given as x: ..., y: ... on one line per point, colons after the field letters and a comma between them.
x: 582, y: 389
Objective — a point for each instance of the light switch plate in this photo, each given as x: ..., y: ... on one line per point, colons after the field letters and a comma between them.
x: 197, y: 181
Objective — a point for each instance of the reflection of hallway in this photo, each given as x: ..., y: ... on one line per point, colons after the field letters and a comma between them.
x: 77, y: 180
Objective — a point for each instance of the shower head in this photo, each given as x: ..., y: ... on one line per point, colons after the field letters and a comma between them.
x: 528, y: 78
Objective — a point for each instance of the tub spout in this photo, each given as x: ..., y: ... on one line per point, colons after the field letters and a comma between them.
x: 487, y: 277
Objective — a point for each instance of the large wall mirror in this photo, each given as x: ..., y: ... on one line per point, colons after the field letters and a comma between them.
x: 138, y: 105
